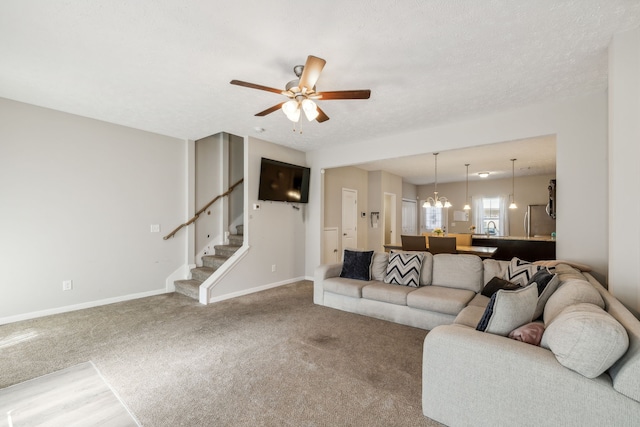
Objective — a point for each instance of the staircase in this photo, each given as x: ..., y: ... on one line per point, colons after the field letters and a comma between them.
x: 210, y: 263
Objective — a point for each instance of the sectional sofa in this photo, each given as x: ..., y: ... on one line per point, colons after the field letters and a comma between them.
x: 566, y: 354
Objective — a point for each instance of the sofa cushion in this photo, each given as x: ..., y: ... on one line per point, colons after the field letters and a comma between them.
x: 426, y: 272
x: 379, y: 265
x: 497, y: 283
x: 531, y: 333
x: 440, y: 299
x: 460, y: 271
x: 404, y: 268
x: 508, y: 310
x: 494, y: 268
x: 547, y: 284
x: 480, y: 301
x: 571, y: 292
x: 386, y: 292
x: 520, y: 272
x: 346, y: 287
x: 357, y: 265
x: 586, y: 339
x: 469, y: 316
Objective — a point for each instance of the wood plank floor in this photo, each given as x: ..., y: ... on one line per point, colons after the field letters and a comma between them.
x: 76, y: 396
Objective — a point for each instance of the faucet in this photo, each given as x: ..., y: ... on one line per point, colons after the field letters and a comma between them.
x: 491, y: 230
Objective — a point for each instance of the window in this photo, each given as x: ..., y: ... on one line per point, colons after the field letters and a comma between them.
x: 491, y: 215
x: 433, y: 218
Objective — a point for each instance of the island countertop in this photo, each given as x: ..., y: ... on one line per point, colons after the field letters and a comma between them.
x: 525, y: 248
x: 529, y: 239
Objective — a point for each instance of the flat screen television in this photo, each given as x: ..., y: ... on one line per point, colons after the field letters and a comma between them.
x: 283, y: 182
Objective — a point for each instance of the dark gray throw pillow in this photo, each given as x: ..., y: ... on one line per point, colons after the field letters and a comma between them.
x: 497, y: 283
x: 357, y: 265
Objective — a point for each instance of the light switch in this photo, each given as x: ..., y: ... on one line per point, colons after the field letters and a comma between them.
x: 155, y: 228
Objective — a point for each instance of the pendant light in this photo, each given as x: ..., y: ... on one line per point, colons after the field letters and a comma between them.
x: 513, y: 185
x: 435, y: 201
x: 466, y: 200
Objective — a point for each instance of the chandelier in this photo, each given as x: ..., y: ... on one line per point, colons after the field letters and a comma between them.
x: 435, y: 201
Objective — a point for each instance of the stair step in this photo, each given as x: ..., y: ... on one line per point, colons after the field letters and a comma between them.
x: 240, y: 229
x: 226, y: 250
x: 190, y: 288
x: 236, y: 239
x: 213, y: 261
x: 201, y: 273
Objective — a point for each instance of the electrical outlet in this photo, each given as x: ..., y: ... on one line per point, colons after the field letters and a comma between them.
x: 67, y: 285
x: 273, y: 268
x: 155, y: 228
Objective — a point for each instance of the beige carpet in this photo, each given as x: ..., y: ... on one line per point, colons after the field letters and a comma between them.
x: 268, y: 359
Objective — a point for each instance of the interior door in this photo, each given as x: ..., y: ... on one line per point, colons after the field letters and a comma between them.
x: 349, y: 218
x: 389, y: 218
x: 409, y: 217
x: 330, y: 245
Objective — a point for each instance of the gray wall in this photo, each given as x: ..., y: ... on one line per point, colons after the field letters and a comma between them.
x: 78, y: 197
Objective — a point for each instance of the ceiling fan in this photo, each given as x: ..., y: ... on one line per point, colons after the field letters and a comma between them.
x: 302, y: 93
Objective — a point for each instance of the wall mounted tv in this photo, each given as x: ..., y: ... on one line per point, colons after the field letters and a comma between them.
x: 283, y: 182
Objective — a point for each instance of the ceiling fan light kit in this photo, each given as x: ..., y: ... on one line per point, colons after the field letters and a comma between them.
x: 302, y: 92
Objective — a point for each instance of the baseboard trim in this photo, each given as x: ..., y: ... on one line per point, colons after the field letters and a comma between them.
x: 254, y: 290
x: 65, y: 309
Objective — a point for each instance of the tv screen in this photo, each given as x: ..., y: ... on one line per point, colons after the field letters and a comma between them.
x: 283, y: 182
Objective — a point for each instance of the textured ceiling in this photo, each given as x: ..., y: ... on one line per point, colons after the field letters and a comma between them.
x: 164, y: 66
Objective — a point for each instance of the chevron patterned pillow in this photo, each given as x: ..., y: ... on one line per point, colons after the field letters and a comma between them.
x: 404, y: 268
x: 520, y: 272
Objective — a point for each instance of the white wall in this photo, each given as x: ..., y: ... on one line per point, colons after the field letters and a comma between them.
x: 624, y: 176
x: 581, y: 128
x: 77, y: 198
x: 209, y: 162
x: 334, y: 181
x: 275, y: 233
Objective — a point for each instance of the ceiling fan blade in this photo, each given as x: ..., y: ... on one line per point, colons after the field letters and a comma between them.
x: 311, y: 72
x: 345, y: 94
x: 270, y: 110
x: 322, y: 117
x: 255, y: 86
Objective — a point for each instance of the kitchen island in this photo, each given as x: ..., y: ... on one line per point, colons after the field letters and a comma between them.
x: 525, y: 248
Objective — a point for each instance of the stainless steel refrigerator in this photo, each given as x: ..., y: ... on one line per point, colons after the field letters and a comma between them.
x: 537, y: 221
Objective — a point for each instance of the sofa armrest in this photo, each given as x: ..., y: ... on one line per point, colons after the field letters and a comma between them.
x: 475, y: 378
x: 324, y: 271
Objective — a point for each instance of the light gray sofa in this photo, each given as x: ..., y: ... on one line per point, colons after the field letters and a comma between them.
x: 473, y: 378
x: 448, y: 284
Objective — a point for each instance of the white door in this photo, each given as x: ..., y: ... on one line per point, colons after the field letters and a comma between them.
x: 389, y: 219
x: 349, y: 218
x: 330, y: 245
x: 409, y: 217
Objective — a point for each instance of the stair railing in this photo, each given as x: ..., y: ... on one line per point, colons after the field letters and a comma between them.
x: 195, y: 217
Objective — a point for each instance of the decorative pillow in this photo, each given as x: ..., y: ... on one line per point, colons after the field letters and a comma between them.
x: 531, y: 333
x: 508, y: 310
x: 496, y: 284
x: 357, y: 265
x: 547, y: 284
x: 404, y: 268
x: 586, y: 339
x: 520, y: 272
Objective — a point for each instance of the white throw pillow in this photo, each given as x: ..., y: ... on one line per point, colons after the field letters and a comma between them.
x: 520, y: 272
x: 508, y: 310
x: 404, y: 268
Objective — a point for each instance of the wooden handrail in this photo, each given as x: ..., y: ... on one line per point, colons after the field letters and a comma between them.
x: 195, y: 217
